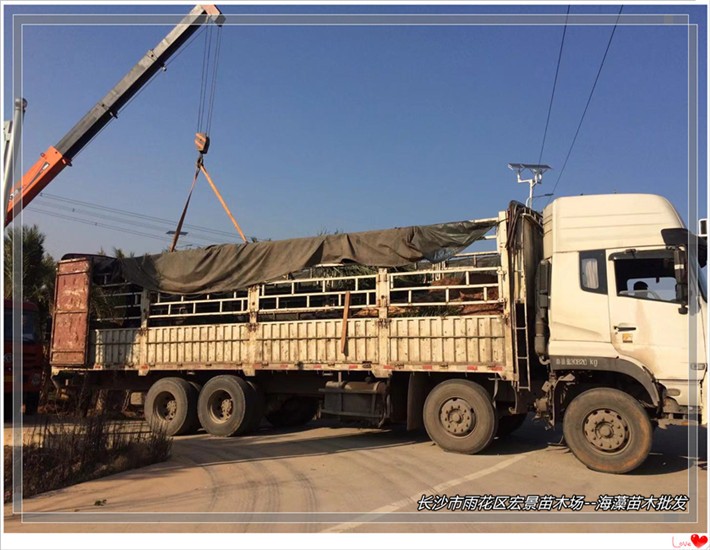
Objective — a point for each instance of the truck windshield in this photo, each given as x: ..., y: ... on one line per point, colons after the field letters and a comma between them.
x: 29, y: 326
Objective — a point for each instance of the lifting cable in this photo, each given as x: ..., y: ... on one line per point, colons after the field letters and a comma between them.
x: 208, y: 86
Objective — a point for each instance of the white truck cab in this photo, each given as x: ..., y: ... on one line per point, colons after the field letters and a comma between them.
x: 625, y: 307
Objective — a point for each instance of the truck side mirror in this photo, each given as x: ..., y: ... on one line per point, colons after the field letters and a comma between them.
x: 680, y: 263
x: 542, y: 283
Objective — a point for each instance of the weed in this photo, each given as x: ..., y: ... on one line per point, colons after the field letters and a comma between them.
x: 66, y: 450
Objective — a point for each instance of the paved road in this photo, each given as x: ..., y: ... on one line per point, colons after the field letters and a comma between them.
x: 348, y: 479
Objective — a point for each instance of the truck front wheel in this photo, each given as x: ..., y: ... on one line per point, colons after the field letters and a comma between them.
x: 608, y: 430
x: 171, y: 407
x: 459, y: 416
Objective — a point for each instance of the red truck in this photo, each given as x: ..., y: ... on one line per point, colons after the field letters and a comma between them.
x: 32, y: 356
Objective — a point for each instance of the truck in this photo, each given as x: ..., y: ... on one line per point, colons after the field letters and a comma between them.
x: 33, y: 357
x: 591, y: 314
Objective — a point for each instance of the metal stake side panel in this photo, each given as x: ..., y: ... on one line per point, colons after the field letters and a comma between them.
x: 317, y: 342
x: 110, y: 347
x: 471, y: 343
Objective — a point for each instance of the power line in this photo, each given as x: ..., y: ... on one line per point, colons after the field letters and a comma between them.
x: 108, y: 217
x: 97, y: 224
x: 589, y: 99
x: 554, y: 86
x: 128, y: 213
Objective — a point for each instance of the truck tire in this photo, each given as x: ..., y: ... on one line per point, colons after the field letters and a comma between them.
x: 509, y: 423
x: 226, y: 406
x: 459, y: 417
x: 608, y: 430
x: 171, y: 407
x: 294, y: 411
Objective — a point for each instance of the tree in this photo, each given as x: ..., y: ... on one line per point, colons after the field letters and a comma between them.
x: 117, y: 253
x: 120, y: 254
x: 38, y: 269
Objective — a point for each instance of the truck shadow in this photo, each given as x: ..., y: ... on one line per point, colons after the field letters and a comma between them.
x: 669, y: 452
x: 332, y: 438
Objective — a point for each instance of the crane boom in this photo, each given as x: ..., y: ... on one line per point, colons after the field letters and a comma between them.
x: 54, y: 159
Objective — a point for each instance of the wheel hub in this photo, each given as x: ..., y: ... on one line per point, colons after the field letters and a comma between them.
x: 226, y: 407
x: 170, y: 408
x: 166, y: 407
x: 221, y: 406
x: 606, y: 430
x: 457, y: 417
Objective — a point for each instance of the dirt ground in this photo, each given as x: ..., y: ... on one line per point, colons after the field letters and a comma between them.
x: 327, y: 478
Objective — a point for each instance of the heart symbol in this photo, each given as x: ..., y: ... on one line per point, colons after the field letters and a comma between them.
x: 699, y: 541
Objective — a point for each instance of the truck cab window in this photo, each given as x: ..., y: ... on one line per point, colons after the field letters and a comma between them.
x: 592, y: 271
x: 646, y: 278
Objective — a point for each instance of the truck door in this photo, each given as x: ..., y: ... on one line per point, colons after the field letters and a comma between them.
x: 645, y: 317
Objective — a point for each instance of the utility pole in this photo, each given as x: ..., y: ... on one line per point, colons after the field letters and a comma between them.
x: 12, y: 134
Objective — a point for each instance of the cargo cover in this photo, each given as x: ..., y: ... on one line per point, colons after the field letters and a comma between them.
x: 226, y: 267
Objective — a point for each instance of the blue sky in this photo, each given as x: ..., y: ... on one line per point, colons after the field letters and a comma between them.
x: 355, y: 128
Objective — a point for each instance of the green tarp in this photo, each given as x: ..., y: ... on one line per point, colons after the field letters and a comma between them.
x: 228, y: 267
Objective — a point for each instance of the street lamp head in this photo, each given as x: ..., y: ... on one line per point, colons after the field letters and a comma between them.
x: 537, y: 171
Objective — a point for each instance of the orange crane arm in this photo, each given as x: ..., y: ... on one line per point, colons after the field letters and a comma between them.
x: 50, y: 163
x: 54, y: 159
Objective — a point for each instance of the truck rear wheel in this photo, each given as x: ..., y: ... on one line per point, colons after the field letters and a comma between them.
x: 226, y: 406
x: 608, y: 430
x: 294, y: 411
x: 171, y: 407
x: 459, y: 417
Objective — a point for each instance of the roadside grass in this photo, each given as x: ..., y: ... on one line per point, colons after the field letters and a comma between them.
x: 61, y: 451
